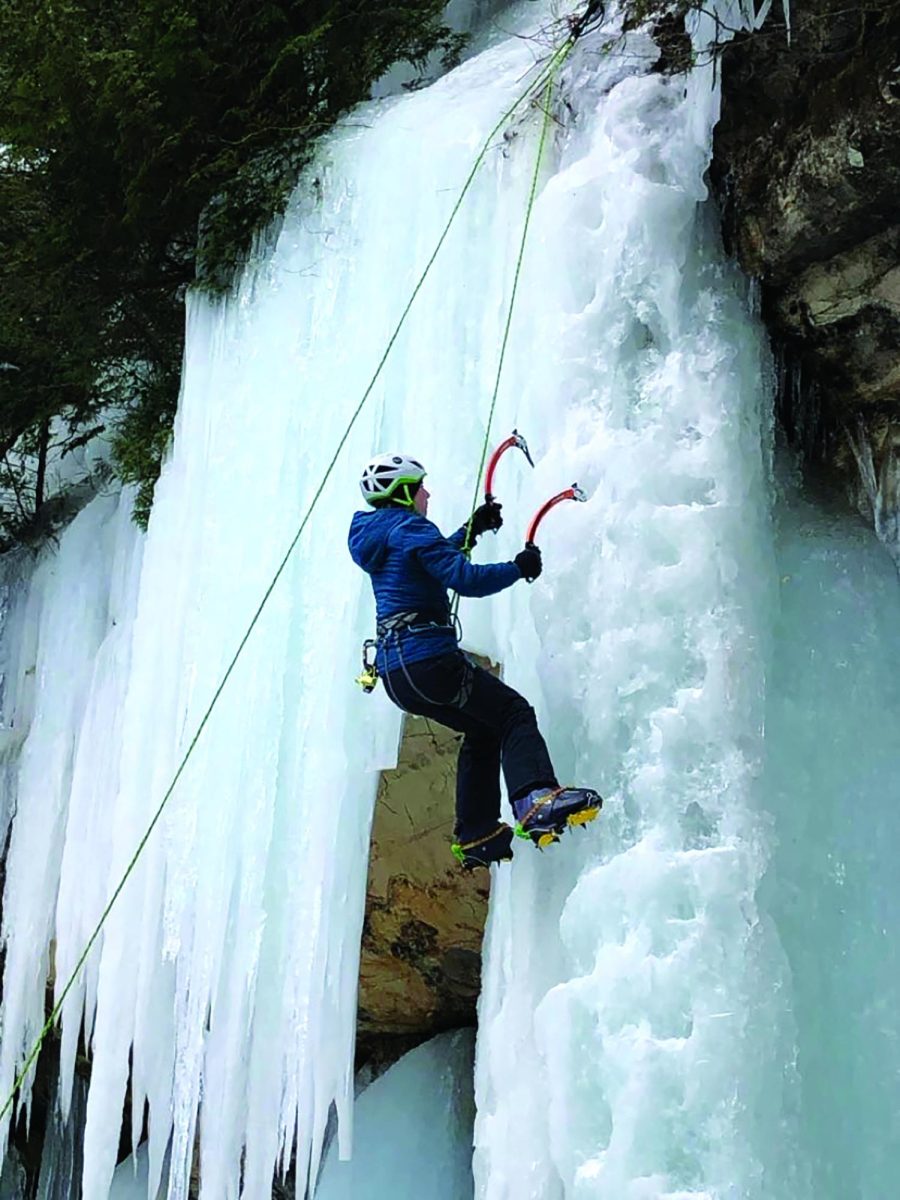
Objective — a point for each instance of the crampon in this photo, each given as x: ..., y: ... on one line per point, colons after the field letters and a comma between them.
x: 492, y: 847
x: 546, y: 813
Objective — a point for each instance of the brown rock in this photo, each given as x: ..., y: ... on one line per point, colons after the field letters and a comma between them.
x: 807, y: 169
x: 421, y: 949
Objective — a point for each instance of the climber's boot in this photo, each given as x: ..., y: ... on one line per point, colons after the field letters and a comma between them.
x: 545, y: 813
x: 495, y: 846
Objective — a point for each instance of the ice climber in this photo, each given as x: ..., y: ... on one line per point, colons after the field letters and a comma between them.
x: 411, y: 565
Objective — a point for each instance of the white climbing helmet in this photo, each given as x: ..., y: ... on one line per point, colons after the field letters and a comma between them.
x: 387, y: 474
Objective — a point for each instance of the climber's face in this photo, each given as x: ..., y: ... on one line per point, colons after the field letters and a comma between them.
x: 420, y: 500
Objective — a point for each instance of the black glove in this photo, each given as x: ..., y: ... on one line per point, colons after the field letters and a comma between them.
x: 529, y: 562
x: 486, y: 516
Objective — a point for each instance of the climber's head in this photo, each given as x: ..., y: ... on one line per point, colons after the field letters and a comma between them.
x: 394, y: 479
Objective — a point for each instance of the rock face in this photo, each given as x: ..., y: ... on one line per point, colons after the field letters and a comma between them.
x: 420, y: 969
x: 807, y: 169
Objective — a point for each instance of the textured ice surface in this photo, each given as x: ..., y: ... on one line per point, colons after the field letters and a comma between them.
x: 832, y: 782
x: 412, y: 1129
x: 793, y: 1058
x: 633, y: 1011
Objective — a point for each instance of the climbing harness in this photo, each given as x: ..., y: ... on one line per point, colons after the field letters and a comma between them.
x: 384, y: 632
x: 572, y: 493
x: 411, y: 620
x: 545, y: 76
x: 389, y: 634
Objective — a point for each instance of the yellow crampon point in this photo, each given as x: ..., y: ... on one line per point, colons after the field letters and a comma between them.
x: 584, y: 817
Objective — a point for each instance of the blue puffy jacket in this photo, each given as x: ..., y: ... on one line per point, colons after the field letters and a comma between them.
x: 412, y: 565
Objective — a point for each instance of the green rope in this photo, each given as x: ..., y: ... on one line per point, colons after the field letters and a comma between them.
x: 555, y: 63
x: 536, y: 85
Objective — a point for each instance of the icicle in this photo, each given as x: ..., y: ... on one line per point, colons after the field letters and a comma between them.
x: 880, y: 484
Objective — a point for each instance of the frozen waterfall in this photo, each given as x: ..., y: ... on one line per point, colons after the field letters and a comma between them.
x: 660, y: 992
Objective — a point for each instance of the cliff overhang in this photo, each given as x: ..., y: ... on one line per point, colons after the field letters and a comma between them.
x: 806, y: 169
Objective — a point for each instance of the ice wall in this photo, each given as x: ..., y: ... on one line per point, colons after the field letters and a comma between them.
x: 413, y: 1129
x: 831, y: 782
x: 633, y: 1018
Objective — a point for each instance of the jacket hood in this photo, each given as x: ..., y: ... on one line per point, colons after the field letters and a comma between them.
x: 369, y: 533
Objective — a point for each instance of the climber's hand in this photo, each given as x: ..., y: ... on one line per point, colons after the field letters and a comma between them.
x: 486, y: 516
x: 529, y: 562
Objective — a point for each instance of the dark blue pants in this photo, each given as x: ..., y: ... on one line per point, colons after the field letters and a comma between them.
x: 499, y: 728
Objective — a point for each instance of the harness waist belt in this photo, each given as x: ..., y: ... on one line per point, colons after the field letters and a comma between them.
x: 397, y: 622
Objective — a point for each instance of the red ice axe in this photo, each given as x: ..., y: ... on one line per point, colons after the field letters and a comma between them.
x: 571, y: 493
x: 514, y: 439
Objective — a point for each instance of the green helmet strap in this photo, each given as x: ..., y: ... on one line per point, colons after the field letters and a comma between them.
x: 404, y: 486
